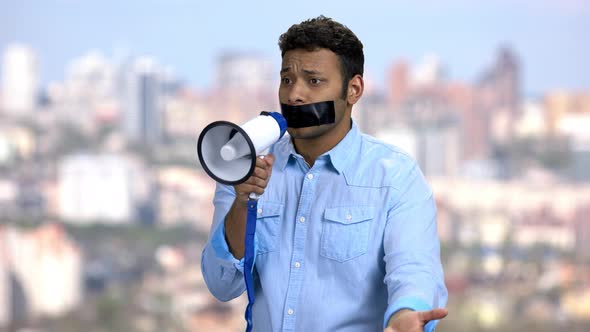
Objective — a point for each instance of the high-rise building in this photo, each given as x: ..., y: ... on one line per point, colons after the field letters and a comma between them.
x: 244, y: 71
x: 373, y: 114
x: 103, y: 188
x: 561, y: 104
x: 89, y: 92
x: 16, y: 143
x: 399, y: 80
x: 428, y: 72
x: 568, y: 116
x: 5, y: 294
x: 439, y: 149
x: 185, y: 197
x: 90, y: 78
x: 244, y: 86
x: 45, y: 272
x: 582, y: 232
x: 579, y: 168
x: 144, y: 97
x: 435, y: 146
x: 507, y: 79
x: 20, y: 79
x: 499, y: 96
x: 533, y: 120
x: 503, y: 79
x: 57, y: 283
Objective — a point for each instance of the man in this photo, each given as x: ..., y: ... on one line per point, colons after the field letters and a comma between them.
x: 346, y: 235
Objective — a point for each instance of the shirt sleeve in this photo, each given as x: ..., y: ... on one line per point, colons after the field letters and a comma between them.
x: 414, y: 275
x: 223, y: 273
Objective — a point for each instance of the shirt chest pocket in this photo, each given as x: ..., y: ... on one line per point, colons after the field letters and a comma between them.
x: 345, y: 232
x: 268, y: 224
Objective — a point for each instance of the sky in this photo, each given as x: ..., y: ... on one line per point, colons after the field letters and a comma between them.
x: 550, y: 37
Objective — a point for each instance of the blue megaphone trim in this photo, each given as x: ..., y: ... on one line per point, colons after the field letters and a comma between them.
x: 282, y: 122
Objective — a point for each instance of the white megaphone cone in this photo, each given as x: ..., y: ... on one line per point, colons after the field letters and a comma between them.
x: 228, y: 152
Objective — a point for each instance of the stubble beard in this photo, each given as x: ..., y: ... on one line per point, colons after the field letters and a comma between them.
x: 310, y: 132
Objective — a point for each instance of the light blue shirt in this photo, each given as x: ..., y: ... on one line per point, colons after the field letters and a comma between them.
x: 340, y: 246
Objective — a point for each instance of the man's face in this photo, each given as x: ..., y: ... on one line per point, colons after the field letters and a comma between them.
x: 310, y: 77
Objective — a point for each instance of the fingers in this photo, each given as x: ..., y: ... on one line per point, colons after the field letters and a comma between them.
x: 254, y: 184
x: 260, y: 173
x: 433, y: 314
x: 259, y: 180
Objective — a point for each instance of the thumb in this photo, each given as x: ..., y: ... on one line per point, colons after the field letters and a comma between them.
x: 269, y: 159
x: 434, y: 314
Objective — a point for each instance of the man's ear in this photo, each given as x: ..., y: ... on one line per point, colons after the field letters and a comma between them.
x: 356, y: 86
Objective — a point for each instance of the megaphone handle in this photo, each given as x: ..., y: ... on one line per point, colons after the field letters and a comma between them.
x: 255, y: 196
x: 249, y: 255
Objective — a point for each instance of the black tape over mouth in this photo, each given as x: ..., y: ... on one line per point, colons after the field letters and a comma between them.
x: 309, y: 115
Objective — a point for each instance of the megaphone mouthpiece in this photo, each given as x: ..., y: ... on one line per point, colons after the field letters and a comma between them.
x: 237, y: 147
x: 228, y: 152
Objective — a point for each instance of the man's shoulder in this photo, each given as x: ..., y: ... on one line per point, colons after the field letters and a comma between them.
x: 379, y: 164
x: 375, y: 149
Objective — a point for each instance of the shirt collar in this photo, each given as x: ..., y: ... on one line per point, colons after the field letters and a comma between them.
x: 339, y: 155
x: 283, y: 151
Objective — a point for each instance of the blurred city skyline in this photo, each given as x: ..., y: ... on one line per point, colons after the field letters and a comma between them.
x: 104, y: 208
x: 548, y: 36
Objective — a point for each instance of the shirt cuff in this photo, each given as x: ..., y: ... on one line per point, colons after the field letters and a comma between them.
x: 222, y: 251
x: 412, y: 303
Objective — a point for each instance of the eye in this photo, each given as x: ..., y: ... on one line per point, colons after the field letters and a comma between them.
x: 315, y: 81
x: 286, y: 80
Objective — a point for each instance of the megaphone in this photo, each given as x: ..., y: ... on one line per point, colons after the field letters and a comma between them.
x: 228, y: 152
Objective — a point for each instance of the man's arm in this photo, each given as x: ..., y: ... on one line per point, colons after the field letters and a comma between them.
x: 414, y: 276
x: 222, y: 261
x: 235, y: 221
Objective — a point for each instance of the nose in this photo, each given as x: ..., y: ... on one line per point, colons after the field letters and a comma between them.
x: 295, y: 94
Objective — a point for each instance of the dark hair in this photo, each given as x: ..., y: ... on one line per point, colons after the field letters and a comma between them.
x: 323, y: 32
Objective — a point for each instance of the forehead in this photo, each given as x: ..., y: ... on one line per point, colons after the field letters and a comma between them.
x: 320, y: 60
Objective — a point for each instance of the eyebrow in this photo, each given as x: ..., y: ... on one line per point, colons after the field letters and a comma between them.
x: 306, y: 71
x: 311, y: 72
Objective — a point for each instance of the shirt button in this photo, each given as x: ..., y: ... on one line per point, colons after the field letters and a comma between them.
x: 297, y: 264
x: 302, y: 219
x: 290, y: 311
x: 348, y: 217
x: 259, y: 211
x: 310, y: 176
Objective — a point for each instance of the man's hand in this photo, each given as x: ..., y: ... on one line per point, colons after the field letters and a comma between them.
x: 258, y: 181
x: 413, y: 321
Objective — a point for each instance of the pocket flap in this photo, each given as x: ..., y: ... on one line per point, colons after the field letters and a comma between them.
x: 269, y: 209
x: 349, y: 215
